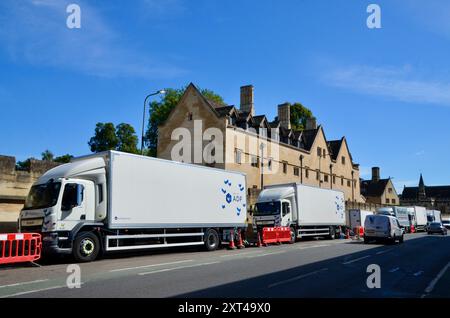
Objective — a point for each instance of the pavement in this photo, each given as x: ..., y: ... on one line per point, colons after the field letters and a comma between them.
x: 418, y: 268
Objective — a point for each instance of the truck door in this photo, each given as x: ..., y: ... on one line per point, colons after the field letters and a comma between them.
x: 78, y: 201
x: 286, y: 215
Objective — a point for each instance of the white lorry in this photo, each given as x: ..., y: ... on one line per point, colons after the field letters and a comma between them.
x: 357, y: 218
x: 420, y: 218
x: 403, y: 214
x: 117, y: 201
x: 433, y: 216
x: 308, y: 211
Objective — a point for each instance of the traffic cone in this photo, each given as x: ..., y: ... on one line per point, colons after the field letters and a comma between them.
x: 259, y: 244
x: 347, y: 234
x: 240, y: 243
x: 231, y: 246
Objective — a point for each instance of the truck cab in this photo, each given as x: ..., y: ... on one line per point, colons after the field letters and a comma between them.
x: 59, y: 206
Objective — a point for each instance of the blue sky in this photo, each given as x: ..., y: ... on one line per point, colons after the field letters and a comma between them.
x: 387, y: 90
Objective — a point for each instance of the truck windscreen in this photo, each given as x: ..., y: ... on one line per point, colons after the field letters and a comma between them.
x: 268, y: 208
x: 43, y: 196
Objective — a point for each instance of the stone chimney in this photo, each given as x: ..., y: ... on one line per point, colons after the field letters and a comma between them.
x: 375, y: 174
x: 284, y: 115
x: 311, y: 123
x: 247, y: 103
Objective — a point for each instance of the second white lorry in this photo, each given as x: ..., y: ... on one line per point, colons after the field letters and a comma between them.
x: 308, y: 211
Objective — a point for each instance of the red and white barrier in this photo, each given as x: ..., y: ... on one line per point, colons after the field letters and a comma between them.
x: 20, y: 247
x: 276, y: 235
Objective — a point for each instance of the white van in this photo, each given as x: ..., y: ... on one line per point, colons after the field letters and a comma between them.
x: 382, y: 227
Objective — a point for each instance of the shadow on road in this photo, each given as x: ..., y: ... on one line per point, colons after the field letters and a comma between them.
x: 340, y: 277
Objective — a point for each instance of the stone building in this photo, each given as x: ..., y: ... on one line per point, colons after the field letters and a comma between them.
x: 379, y: 191
x: 15, y: 184
x: 432, y: 197
x: 269, y: 152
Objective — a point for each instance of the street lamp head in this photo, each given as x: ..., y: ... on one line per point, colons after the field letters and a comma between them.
x: 162, y: 91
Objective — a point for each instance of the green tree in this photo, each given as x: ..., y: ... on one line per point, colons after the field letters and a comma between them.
x: 63, y: 159
x: 299, y: 115
x: 127, y: 138
x: 160, y: 110
x: 47, y: 155
x: 104, y: 138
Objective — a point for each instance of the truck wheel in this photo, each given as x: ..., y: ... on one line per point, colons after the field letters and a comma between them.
x: 86, y: 247
x: 211, y: 240
x: 401, y: 239
x: 366, y: 240
x: 332, y: 234
x: 293, y: 236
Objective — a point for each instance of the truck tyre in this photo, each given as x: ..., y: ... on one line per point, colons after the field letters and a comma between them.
x: 293, y: 236
x: 332, y: 234
x: 401, y: 239
x: 366, y: 240
x: 211, y: 240
x: 86, y: 247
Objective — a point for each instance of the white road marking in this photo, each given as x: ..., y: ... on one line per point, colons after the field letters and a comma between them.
x: 293, y: 279
x: 433, y: 283
x: 418, y: 273
x: 266, y: 254
x: 355, y: 260
x: 176, y: 268
x: 24, y: 283
x: 35, y: 291
x: 241, y: 254
x: 146, y: 266
x: 313, y: 246
x: 394, y: 270
x: 382, y: 252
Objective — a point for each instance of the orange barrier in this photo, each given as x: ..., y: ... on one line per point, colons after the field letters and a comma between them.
x: 20, y: 247
x: 272, y: 235
x: 361, y: 231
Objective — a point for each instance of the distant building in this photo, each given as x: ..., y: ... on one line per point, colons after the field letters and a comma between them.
x: 379, y: 191
x: 305, y: 156
x: 432, y: 197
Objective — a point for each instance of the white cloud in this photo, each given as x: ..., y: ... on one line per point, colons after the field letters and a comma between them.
x: 420, y: 153
x: 393, y: 83
x: 35, y: 32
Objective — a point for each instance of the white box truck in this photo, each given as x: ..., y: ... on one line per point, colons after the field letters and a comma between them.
x: 118, y: 201
x: 307, y: 210
x: 420, y: 216
x: 403, y: 214
x: 433, y: 216
x: 357, y: 217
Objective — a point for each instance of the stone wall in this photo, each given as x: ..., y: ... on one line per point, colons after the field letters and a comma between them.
x: 15, y: 184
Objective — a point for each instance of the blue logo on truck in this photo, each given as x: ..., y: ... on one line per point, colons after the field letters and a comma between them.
x: 233, y: 197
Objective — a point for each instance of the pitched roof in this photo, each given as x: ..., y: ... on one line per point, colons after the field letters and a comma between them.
x: 258, y: 119
x: 334, y: 146
x: 370, y: 188
x: 438, y: 192
x: 308, y: 137
x: 224, y: 110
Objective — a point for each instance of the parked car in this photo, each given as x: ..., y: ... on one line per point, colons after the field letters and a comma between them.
x: 437, y: 228
x: 446, y: 224
x: 382, y: 228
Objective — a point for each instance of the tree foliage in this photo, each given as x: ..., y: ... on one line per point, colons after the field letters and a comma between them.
x: 299, y: 115
x: 108, y: 137
x: 47, y: 155
x: 63, y: 159
x: 160, y: 110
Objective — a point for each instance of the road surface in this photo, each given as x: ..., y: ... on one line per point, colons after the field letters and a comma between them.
x: 316, y: 268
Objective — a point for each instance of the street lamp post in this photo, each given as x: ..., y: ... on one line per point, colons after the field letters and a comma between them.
x: 262, y: 165
x: 161, y: 91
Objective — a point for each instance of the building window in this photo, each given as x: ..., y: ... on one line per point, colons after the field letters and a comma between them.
x: 296, y: 171
x: 387, y: 201
x: 285, y: 167
x: 394, y: 201
x: 263, y: 132
x: 255, y: 161
x: 269, y: 164
x: 325, y: 178
x: 324, y: 153
x: 189, y: 116
x: 334, y: 179
x: 317, y: 175
x: 319, y: 151
x: 348, y: 183
x: 390, y: 190
x: 342, y: 181
x: 307, y: 173
x: 343, y: 160
x: 238, y: 158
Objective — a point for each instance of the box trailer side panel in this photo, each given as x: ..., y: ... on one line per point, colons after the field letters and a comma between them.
x: 421, y: 215
x: 149, y: 192
x: 318, y: 206
x: 357, y: 217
